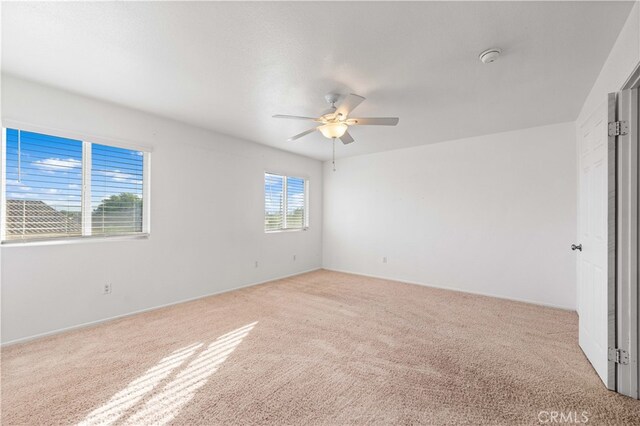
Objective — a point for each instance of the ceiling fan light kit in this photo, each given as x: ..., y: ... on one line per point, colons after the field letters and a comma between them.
x: 334, y: 123
x: 334, y: 130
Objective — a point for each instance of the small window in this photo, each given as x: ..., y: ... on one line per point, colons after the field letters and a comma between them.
x: 285, y: 203
x: 56, y: 187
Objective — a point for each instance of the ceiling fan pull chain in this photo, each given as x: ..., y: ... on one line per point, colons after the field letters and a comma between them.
x: 334, y: 153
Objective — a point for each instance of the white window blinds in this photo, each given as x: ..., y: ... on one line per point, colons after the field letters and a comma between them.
x: 43, y: 186
x: 57, y: 187
x: 285, y: 202
x: 116, y: 190
x: 273, y: 202
x: 295, y: 203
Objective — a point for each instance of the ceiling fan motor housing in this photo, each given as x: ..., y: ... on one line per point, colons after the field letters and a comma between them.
x: 331, y: 98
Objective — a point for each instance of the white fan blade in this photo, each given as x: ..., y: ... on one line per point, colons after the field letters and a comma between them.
x: 299, y: 135
x: 346, y: 138
x: 294, y: 117
x: 349, y: 104
x: 373, y: 121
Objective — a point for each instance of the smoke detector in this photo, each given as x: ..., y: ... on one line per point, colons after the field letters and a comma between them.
x: 490, y: 55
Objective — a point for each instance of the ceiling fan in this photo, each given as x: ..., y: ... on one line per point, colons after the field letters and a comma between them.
x: 334, y: 123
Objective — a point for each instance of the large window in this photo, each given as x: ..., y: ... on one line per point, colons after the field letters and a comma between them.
x: 285, y: 203
x: 56, y: 187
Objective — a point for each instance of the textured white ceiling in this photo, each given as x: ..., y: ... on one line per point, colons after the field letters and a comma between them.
x: 230, y: 66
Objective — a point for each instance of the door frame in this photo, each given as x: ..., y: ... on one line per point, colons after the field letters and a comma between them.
x: 623, y: 234
x: 612, y: 311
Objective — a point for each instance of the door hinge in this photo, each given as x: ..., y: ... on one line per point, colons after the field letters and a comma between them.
x: 619, y: 356
x: 618, y: 128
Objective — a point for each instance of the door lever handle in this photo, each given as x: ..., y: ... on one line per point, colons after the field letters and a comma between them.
x: 576, y: 247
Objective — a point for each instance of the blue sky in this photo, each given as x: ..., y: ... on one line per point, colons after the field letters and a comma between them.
x: 49, y: 169
x: 273, y: 185
x: 273, y: 193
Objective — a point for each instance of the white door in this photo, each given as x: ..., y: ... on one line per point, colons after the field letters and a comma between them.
x: 593, y: 262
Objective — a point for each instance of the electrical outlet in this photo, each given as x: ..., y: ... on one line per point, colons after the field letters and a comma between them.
x: 106, y: 289
x: 256, y: 263
x: 384, y: 259
x: 294, y: 257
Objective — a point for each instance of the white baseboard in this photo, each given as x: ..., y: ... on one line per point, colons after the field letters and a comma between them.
x: 533, y: 302
x: 103, y: 320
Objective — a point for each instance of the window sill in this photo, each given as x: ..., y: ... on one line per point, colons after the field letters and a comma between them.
x: 278, y: 231
x: 73, y: 240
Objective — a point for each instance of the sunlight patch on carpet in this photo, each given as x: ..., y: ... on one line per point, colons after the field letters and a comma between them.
x: 165, y: 405
x: 120, y: 402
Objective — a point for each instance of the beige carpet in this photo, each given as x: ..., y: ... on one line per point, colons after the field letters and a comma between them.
x: 319, y: 348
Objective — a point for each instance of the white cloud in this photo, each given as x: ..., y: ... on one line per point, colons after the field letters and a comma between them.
x: 15, y: 185
x: 17, y: 195
x: 296, y: 200
x: 19, y: 185
x: 57, y: 164
x: 119, y: 176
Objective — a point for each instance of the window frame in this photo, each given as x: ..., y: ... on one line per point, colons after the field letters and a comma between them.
x: 87, y: 141
x: 285, y: 201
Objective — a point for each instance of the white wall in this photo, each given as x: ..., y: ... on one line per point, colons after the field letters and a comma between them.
x: 493, y: 214
x: 206, y: 221
x: 622, y: 60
